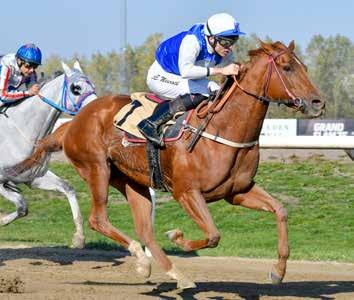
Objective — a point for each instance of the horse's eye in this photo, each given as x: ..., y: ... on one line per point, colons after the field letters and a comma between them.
x: 287, y: 68
x: 75, y: 89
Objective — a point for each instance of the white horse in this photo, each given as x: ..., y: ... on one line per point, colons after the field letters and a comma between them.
x: 23, y: 124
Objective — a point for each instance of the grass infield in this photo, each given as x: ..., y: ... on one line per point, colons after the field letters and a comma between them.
x: 318, y: 194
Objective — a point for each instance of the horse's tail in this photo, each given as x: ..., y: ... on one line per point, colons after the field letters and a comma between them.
x: 51, y: 143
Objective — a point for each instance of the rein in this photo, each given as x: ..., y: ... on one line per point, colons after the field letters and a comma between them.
x: 63, y: 106
x: 208, y: 112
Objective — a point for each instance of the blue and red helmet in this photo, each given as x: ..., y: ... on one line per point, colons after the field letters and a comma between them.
x: 30, y: 53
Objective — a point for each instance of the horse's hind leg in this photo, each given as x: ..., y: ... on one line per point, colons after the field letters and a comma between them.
x: 97, y: 177
x: 52, y: 182
x: 139, y: 201
x: 257, y: 198
x: 20, y: 203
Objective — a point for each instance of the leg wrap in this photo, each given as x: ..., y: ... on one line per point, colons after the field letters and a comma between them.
x: 143, y: 265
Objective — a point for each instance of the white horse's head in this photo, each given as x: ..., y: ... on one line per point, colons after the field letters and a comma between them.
x: 76, y: 90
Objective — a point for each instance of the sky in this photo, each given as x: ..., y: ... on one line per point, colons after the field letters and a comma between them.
x: 84, y: 27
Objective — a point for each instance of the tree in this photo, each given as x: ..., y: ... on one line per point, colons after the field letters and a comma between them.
x: 330, y: 62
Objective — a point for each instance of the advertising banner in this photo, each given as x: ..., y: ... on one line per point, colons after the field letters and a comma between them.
x: 279, y: 127
x: 337, y: 127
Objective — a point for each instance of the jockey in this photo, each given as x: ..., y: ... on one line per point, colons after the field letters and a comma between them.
x: 183, y: 63
x: 18, y: 69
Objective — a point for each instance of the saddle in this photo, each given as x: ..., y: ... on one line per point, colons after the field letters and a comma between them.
x: 142, y: 106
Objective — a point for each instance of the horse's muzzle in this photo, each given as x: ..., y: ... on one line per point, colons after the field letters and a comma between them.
x: 315, y: 107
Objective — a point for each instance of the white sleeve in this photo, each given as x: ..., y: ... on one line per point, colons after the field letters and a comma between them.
x: 188, y: 53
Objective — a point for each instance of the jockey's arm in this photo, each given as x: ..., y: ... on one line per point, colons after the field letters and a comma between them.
x: 5, y: 94
x: 188, y: 53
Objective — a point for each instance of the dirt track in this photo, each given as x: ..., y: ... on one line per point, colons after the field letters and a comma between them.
x: 60, y: 273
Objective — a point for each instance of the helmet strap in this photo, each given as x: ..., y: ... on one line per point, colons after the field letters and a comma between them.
x: 212, y: 44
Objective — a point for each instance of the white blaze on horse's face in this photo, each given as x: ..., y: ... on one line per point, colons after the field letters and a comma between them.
x: 80, y: 90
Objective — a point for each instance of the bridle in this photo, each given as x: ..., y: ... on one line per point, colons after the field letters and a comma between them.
x: 66, y: 99
x: 295, y: 101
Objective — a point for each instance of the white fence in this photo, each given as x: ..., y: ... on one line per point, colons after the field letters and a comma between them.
x: 307, y: 142
x: 286, y: 134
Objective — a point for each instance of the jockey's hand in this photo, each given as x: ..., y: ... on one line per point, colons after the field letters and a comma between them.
x: 232, y: 69
x: 34, y: 90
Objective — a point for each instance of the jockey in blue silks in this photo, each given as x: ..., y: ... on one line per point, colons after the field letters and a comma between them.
x: 18, y: 69
x: 183, y: 63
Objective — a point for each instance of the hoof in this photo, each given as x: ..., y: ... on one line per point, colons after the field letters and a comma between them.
x: 274, y: 277
x: 186, y: 284
x: 183, y: 282
x: 78, y: 242
x: 4, y: 219
x: 143, y: 266
x: 173, y: 234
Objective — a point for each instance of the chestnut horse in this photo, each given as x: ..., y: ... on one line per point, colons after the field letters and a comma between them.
x: 213, y: 170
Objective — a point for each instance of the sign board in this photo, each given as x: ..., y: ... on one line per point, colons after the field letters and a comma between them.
x: 337, y: 127
x: 279, y: 127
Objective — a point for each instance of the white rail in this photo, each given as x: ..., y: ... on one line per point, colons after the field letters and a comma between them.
x: 307, y: 142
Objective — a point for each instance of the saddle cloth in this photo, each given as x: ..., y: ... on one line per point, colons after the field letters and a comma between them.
x: 142, y: 106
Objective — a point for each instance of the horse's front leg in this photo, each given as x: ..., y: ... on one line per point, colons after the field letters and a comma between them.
x: 10, y: 192
x: 195, y: 205
x: 257, y: 198
x: 52, y: 182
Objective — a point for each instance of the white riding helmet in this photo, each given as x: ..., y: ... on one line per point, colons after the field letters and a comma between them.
x: 222, y: 25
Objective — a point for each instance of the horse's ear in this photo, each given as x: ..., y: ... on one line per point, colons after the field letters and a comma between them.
x: 67, y: 69
x: 291, y: 46
x: 266, y: 47
x: 77, y: 66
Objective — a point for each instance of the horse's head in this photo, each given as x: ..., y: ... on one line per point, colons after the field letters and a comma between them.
x: 69, y: 91
x: 286, y: 78
x: 79, y: 90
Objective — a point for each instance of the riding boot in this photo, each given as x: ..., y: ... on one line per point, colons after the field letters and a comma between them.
x: 151, y: 127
